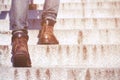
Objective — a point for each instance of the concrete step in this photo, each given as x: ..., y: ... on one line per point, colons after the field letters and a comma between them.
x: 87, y: 0
x: 86, y: 5
x: 5, y: 1
x: 87, y: 23
x: 76, y: 5
x: 71, y: 56
x: 65, y: 22
x: 90, y: 5
x: 73, y: 23
x: 108, y: 36
x: 89, y: 13
x: 9, y: 73
x: 62, y: 1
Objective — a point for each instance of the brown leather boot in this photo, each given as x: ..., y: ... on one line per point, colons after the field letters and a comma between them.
x: 46, y: 35
x: 32, y: 6
x: 20, y: 52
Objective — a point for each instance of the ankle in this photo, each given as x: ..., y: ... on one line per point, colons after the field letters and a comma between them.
x: 19, y: 34
x: 48, y: 22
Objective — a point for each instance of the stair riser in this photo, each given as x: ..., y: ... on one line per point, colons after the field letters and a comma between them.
x: 86, y: 5
x: 72, y: 37
x: 77, y: 5
x: 100, y: 56
x: 76, y: 23
x: 59, y: 74
x: 88, y: 23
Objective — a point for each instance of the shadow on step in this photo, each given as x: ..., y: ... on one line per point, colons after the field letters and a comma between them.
x: 3, y: 14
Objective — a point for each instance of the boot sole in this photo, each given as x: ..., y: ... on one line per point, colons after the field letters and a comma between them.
x: 20, y: 60
x: 48, y: 42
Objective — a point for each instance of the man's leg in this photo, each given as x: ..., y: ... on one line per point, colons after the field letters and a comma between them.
x: 49, y: 16
x: 18, y: 22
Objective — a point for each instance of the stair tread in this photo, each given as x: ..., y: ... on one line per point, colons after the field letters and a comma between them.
x: 88, y: 36
x: 71, y: 56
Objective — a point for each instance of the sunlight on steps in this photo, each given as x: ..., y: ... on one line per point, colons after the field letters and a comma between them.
x: 89, y: 49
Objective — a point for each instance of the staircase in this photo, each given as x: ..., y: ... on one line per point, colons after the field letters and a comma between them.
x: 89, y: 49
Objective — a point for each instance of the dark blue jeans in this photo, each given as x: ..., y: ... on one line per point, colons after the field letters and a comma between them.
x: 19, y: 9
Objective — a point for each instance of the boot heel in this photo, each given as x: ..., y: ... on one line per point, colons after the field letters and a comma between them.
x: 20, y: 60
